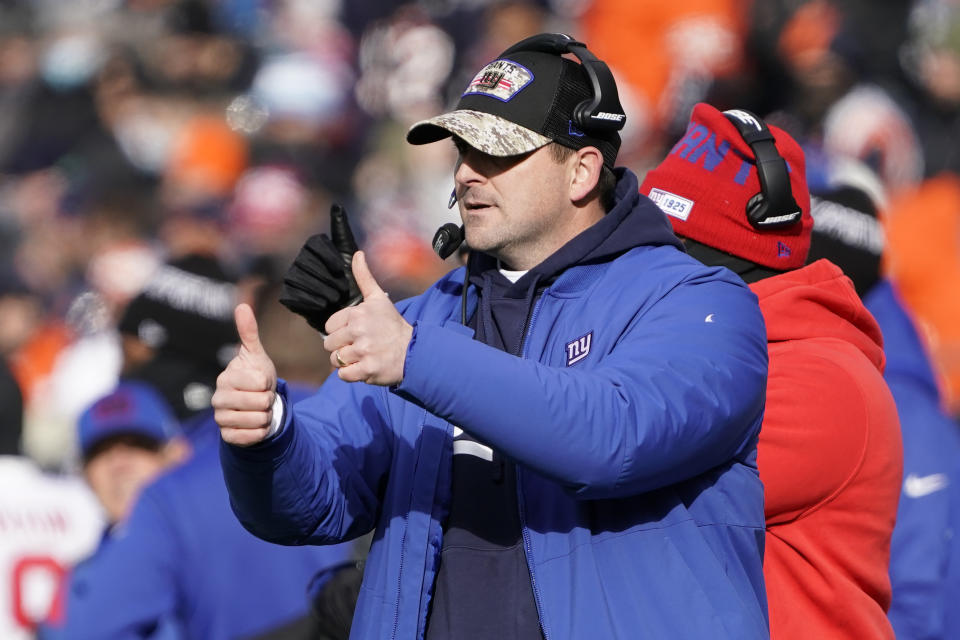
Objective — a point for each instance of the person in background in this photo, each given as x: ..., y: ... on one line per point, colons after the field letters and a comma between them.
x: 925, y: 548
x: 176, y: 334
x: 577, y: 461
x: 183, y: 560
x: 126, y: 440
x: 830, y: 455
x: 47, y: 523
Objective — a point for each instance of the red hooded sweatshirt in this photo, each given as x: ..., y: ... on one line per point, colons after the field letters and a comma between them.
x: 830, y: 458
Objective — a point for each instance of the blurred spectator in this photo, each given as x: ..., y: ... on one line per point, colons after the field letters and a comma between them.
x: 182, y: 555
x: 205, y: 162
x: 17, y: 69
x: 923, y: 571
x: 270, y: 213
x: 32, y: 344
x: 867, y: 124
x: 11, y: 404
x: 126, y: 439
x: 931, y: 60
x: 119, y: 260
x: 191, y: 53
x: 409, y: 264
x: 177, y: 333
x: 833, y: 88
x: 20, y: 310
x: 47, y: 524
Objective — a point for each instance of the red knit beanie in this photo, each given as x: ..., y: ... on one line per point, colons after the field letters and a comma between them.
x: 705, y: 182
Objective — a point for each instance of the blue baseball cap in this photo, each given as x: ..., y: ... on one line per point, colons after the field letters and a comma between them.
x: 132, y: 409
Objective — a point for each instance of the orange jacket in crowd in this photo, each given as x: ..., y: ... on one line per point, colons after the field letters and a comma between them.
x: 923, y: 260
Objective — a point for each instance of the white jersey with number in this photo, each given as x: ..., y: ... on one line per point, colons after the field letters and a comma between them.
x: 47, y: 524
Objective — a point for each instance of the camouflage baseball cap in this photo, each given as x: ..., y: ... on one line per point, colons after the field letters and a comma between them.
x: 517, y: 104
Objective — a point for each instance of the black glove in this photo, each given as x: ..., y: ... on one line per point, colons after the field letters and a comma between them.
x: 320, y: 281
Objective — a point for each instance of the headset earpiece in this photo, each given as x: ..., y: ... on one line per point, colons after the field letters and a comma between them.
x: 774, y: 207
x: 601, y: 113
x: 756, y: 208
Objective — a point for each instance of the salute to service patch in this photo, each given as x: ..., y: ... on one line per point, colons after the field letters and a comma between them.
x: 501, y: 79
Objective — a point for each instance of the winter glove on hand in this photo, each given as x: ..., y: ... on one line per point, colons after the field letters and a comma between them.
x: 320, y: 281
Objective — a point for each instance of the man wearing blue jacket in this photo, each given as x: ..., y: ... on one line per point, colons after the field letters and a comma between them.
x: 558, y: 441
x: 181, y: 565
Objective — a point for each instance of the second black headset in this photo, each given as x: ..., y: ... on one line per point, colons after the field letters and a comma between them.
x: 774, y: 207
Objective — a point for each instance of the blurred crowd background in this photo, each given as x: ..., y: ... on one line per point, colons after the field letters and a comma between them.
x: 139, y: 132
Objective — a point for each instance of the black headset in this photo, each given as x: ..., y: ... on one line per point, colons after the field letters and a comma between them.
x: 601, y: 113
x: 774, y: 207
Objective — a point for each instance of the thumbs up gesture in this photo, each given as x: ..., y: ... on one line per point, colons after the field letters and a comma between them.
x: 246, y: 389
x: 368, y: 342
x: 319, y: 282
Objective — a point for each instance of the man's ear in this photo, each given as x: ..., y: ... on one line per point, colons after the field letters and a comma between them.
x: 588, y: 163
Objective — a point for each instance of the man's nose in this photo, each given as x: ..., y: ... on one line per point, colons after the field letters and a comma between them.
x: 466, y: 173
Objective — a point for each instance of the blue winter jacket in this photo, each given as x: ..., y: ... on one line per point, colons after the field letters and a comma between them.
x: 183, y: 560
x: 924, y: 547
x: 633, y: 418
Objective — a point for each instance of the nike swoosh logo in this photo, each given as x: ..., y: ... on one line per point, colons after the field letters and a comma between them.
x: 918, y: 486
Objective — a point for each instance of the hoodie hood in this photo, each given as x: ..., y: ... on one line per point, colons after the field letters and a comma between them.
x: 906, y: 354
x: 818, y: 301
x: 634, y: 221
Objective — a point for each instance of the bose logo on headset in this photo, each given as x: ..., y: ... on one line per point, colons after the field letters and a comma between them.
x: 603, y: 115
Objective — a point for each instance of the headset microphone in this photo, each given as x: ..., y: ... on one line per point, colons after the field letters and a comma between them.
x: 453, y: 199
x: 447, y: 239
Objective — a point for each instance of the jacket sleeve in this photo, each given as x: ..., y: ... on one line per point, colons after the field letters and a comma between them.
x: 924, y: 542
x: 319, y: 481
x: 127, y: 589
x: 679, y: 393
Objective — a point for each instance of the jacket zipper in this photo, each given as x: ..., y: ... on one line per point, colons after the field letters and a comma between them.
x: 527, y: 546
x: 396, y: 612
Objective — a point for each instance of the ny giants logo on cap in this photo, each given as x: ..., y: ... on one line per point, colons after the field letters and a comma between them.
x: 116, y: 405
x: 501, y: 79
